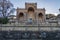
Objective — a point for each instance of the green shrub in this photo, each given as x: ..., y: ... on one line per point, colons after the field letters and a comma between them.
x: 4, y: 20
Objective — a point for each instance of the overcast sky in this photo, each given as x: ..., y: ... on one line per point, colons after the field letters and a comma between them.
x: 51, y: 6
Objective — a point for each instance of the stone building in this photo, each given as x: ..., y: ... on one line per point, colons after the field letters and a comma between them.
x: 31, y: 13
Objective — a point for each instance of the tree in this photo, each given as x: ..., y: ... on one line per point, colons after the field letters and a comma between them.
x: 6, y: 8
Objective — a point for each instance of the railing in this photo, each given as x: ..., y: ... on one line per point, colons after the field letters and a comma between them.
x: 27, y: 24
x: 34, y: 26
x: 47, y: 23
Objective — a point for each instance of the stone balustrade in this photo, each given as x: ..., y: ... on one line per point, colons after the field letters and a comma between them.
x: 31, y: 25
x: 34, y: 26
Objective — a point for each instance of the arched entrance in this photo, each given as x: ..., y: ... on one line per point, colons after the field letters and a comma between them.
x: 21, y: 17
x: 30, y: 15
x: 40, y: 15
x: 31, y: 9
x: 21, y: 14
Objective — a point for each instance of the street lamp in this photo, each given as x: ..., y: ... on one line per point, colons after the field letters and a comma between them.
x: 59, y: 10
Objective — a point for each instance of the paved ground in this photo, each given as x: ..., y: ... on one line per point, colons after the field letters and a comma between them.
x: 29, y: 35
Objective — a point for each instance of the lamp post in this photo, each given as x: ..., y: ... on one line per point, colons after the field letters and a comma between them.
x: 59, y: 10
x: 59, y: 16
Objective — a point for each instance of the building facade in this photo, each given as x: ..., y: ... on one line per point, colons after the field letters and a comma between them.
x: 31, y: 13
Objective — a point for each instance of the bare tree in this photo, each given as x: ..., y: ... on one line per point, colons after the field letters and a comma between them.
x: 6, y: 7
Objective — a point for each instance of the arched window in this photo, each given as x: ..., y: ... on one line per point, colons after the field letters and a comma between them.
x: 21, y: 14
x: 30, y: 9
x: 40, y: 15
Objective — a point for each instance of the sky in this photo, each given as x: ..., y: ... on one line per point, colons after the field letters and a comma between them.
x: 51, y: 6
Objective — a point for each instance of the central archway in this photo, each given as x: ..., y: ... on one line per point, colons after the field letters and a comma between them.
x: 31, y: 16
x: 31, y: 9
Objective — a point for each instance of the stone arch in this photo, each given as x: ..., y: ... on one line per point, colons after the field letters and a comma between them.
x: 31, y: 13
x: 31, y: 9
x: 21, y: 14
x: 40, y: 15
